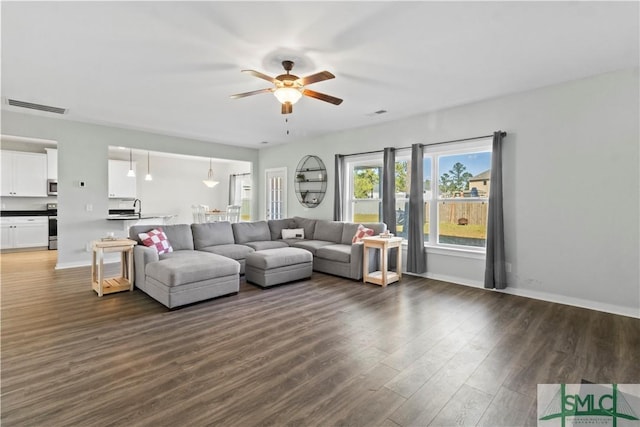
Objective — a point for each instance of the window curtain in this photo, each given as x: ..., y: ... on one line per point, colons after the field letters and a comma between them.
x: 389, y: 189
x: 338, y: 208
x: 416, y: 262
x: 232, y: 189
x: 389, y: 197
x: 495, y: 275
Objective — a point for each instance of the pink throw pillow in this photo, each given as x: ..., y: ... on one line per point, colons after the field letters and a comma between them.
x: 362, y: 232
x: 156, y: 239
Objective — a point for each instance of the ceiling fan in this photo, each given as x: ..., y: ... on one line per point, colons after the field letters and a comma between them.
x: 289, y: 88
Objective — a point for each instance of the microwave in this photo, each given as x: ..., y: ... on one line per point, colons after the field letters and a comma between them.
x: 52, y: 187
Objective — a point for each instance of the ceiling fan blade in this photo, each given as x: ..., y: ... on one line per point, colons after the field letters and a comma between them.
x: 322, y: 97
x: 254, y: 92
x: 260, y: 75
x: 317, y: 77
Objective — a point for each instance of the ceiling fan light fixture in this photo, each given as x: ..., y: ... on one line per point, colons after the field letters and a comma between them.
x: 288, y: 94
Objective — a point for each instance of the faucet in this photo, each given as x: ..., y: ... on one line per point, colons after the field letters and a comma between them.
x: 139, y: 203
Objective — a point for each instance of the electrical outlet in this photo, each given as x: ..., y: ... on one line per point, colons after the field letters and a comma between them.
x: 507, y: 266
x: 89, y: 207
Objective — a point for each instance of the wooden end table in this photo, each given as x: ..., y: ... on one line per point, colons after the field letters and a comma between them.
x: 123, y: 282
x: 382, y: 277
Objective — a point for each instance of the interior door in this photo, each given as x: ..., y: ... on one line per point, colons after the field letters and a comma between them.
x: 276, y: 193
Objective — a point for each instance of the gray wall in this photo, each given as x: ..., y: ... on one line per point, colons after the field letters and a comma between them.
x: 570, y: 177
x: 83, y: 155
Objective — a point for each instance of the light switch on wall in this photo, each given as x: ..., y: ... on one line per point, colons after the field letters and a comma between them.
x: 89, y: 207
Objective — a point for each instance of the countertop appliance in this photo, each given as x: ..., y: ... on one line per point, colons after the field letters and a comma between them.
x: 52, y: 187
x: 52, y: 209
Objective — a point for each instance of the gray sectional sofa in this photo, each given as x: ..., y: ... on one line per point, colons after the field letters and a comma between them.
x: 207, y: 259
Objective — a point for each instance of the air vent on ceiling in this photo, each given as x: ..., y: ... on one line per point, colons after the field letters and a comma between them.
x: 376, y: 113
x: 40, y: 107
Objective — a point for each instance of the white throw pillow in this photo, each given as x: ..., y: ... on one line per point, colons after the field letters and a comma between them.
x: 293, y: 233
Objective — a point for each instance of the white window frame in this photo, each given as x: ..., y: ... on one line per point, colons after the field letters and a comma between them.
x: 373, y: 159
x: 403, y: 154
x: 435, y: 152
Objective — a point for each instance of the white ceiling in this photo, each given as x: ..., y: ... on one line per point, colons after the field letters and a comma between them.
x: 169, y: 67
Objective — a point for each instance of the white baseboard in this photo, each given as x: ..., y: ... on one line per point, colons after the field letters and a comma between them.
x: 576, y: 302
x: 453, y: 279
x: 543, y: 296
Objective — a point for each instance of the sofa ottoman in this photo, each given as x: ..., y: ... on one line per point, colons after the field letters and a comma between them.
x: 271, y: 267
x: 184, y: 277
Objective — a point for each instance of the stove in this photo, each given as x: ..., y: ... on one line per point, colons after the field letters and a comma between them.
x: 52, y: 210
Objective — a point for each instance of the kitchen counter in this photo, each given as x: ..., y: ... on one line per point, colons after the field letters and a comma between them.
x: 28, y: 213
x: 136, y: 217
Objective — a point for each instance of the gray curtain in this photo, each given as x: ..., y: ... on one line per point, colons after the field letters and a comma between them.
x: 389, y: 189
x: 416, y: 262
x: 495, y: 275
x: 338, y: 189
x: 232, y: 189
x: 389, y: 197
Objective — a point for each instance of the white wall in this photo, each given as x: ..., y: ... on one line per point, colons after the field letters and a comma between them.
x: 571, y: 183
x: 83, y: 155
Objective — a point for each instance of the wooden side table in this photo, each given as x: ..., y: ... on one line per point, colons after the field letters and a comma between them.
x: 123, y: 282
x: 382, y: 277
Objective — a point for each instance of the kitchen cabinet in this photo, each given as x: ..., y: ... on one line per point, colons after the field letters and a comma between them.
x: 24, y: 232
x: 52, y: 163
x: 121, y: 186
x: 23, y: 174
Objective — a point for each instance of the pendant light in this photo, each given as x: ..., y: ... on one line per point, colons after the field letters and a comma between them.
x: 148, y: 177
x: 131, y: 173
x: 209, y: 182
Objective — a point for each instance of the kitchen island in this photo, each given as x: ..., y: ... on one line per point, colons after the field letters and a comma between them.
x: 129, y: 219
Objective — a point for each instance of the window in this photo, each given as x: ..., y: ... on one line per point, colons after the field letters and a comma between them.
x: 365, y: 204
x: 455, y: 192
x: 241, y: 194
x: 459, y: 194
x: 365, y: 190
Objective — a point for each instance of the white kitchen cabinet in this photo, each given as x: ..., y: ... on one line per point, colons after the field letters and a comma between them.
x: 23, y: 174
x: 121, y: 186
x: 52, y: 163
x: 24, y: 232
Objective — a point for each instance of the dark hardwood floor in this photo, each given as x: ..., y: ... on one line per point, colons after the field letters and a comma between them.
x: 324, y: 351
